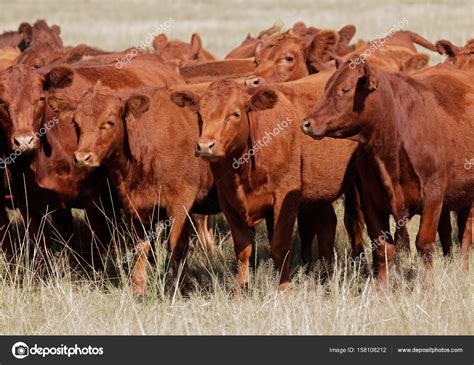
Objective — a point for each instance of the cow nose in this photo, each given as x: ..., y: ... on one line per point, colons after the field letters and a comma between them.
x: 25, y: 142
x: 84, y: 159
x: 204, y: 148
x: 306, y: 125
x: 253, y: 81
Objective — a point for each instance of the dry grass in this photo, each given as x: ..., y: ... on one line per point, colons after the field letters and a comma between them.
x: 349, y: 302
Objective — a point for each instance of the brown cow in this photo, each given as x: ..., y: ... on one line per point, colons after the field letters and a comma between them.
x: 255, y: 182
x: 286, y: 57
x: 26, y: 34
x: 389, y: 113
x: 462, y: 57
x: 134, y: 135
x: 181, y: 53
x: 51, y: 177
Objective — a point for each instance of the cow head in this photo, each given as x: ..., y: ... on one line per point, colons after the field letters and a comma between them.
x: 338, y: 112
x: 180, y: 53
x: 42, y: 44
x: 462, y: 57
x: 223, y: 112
x: 289, y: 57
x: 281, y: 58
x: 22, y: 103
x: 101, y: 120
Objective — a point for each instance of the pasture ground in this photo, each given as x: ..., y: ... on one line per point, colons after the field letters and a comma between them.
x: 347, y: 303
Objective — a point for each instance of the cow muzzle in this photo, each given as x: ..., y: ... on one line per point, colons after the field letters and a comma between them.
x: 26, y: 143
x: 253, y: 81
x: 308, y: 127
x: 85, y: 160
x: 206, y: 150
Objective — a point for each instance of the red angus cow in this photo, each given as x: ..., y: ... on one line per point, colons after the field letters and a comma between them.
x: 389, y: 114
x: 273, y: 181
x: 136, y: 135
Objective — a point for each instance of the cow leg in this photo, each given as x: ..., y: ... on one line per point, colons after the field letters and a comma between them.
x: 205, y: 237
x: 354, y: 219
x: 320, y: 220
x: 445, y: 232
x: 178, y: 243
x: 402, y: 239
x: 243, y: 247
x: 383, y: 248
x: 285, y: 212
x: 462, y: 216
x: 269, y: 224
x: 425, y: 240
x: 326, y: 224
x: 307, y: 231
x: 467, y: 240
x: 141, y: 250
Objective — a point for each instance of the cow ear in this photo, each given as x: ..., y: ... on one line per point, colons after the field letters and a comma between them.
x: 263, y: 99
x: 258, y: 48
x: 76, y: 53
x: 416, y: 62
x: 26, y: 30
x: 299, y: 27
x: 58, y: 78
x: 56, y: 29
x: 137, y: 105
x: 347, y: 33
x: 185, y: 99
x: 445, y: 47
x: 371, y: 76
x: 196, y: 43
x: 160, y: 42
x: 323, y: 45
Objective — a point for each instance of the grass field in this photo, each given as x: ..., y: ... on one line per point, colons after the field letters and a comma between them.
x: 348, y: 302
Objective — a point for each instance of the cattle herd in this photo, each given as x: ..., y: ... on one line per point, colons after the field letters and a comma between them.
x: 286, y: 124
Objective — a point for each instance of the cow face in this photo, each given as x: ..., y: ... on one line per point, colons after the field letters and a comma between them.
x: 100, y: 120
x: 22, y: 103
x: 280, y: 59
x: 337, y: 114
x: 462, y: 57
x: 223, y: 112
x: 178, y: 52
x: 22, y: 107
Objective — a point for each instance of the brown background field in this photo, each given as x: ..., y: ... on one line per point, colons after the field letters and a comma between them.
x: 348, y: 303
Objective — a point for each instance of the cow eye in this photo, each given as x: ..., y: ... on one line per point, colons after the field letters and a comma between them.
x: 346, y: 89
x: 289, y: 59
x: 236, y: 114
